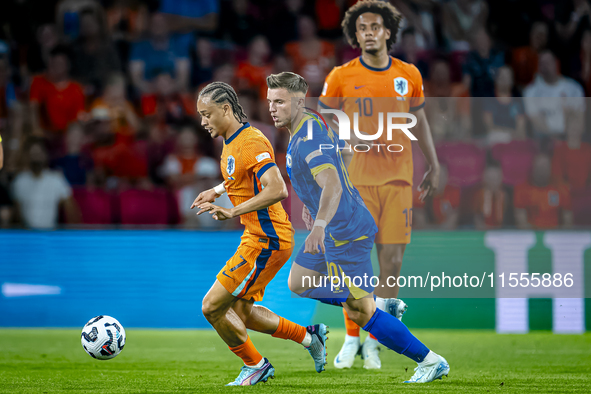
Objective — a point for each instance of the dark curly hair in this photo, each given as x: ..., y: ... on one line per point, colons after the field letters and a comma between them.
x: 387, y: 11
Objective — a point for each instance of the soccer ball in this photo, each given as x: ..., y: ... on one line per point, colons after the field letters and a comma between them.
x: 103, y: 337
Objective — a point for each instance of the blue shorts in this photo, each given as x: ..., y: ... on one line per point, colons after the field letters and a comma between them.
x: 349, y: 266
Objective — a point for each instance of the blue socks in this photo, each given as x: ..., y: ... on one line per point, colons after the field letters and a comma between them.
x: 393, y: 334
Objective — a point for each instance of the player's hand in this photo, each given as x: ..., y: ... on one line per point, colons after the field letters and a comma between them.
x: 315, y: 241
x: 217, y: 212
x: 307, y: 218
x: 430, y: 184
x: 206, y: 196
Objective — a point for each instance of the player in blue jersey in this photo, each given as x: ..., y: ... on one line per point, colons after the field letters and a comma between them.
x: 340, y: 242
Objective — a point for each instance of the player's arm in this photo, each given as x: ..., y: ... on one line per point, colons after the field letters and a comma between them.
x: 332, y: 190
x: 422, y: 131
x: 209, y: 195
x: 274, y: 190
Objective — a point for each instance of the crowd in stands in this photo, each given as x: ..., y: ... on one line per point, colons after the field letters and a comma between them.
x: 98, y: 120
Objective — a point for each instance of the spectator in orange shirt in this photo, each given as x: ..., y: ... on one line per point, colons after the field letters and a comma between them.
x: 442, y: 209
x: 490, y: 200
x: 115, y: 160
x: 541, y: 203
x: 312, y: 57
x: 56, y: 100
x: 571, y: 162
x: 252, y: 72
x: 120, y: 111
x: 524, y: 60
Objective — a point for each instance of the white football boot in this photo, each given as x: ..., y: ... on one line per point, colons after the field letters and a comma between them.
x: 433, y: 367
x: 346, y: 356
x: 370, y: 354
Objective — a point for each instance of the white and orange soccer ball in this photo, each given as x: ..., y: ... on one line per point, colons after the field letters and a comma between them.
x: 103, y: 337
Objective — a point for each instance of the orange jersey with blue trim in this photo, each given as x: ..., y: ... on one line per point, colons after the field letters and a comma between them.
x: 246, y: 156
x: 355, y: 87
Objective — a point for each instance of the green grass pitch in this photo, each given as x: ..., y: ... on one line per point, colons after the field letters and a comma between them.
x: 53, y: 361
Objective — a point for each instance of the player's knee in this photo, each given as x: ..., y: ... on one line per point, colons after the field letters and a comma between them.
x: 293, y: 286
x: 209, y: 310
x: 294, y: 282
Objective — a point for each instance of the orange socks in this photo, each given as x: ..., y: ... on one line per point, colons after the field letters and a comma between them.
x: 290, y: 330
x: 248, y: 353
x: 352, y: 327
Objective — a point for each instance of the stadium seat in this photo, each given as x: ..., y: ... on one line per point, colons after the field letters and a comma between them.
x: 144, y: 207
x: 465, y: 162
x: 96, y: 206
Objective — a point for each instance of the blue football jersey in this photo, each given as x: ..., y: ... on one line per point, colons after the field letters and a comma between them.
x: 305, y: 159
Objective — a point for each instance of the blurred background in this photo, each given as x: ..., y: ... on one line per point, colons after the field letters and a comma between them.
x: 102, y: 93
x: 97, y: 117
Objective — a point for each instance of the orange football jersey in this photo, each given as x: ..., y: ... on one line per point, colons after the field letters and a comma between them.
x: 357, y: 87
x: 246, y: 156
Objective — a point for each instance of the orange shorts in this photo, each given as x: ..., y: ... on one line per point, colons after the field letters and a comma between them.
x: 391, y: 208
x: 249, y: 271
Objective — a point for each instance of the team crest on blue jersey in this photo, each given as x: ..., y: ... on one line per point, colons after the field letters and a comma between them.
x: 401, y: 86
x: 231, y: 165
x: 288, y: 160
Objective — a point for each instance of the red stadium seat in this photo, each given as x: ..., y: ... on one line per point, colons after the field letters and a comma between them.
x: 96, y: 206
x: 141, y: 207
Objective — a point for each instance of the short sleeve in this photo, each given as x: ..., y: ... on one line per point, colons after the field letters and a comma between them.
x: 63, y: 189
x: 258, y: 156
x: 417, y: 98
x: 332, y: 94
x: 520, y: 198
x: 315, y: 158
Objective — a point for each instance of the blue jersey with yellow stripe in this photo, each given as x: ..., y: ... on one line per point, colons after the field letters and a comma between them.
x: 306, y: 158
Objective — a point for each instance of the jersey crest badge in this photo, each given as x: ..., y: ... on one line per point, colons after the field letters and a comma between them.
x: 401, y: 86
x: 231, y: 165
x: 288, y: 160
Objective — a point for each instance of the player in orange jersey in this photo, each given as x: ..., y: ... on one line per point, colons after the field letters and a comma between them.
x: 382, y: 176
x: 255, y: 187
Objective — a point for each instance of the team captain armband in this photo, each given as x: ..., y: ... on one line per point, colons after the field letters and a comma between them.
x: 263, y: 156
